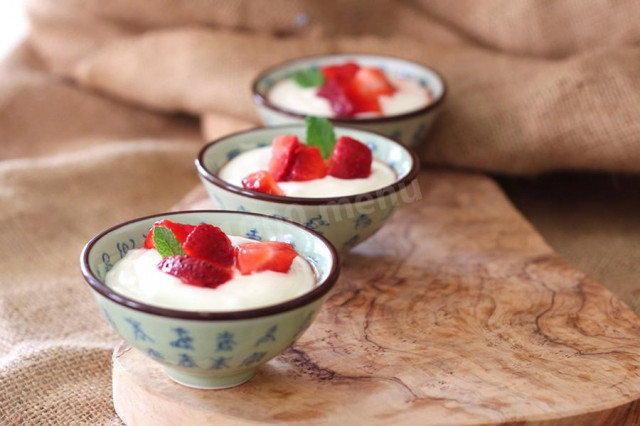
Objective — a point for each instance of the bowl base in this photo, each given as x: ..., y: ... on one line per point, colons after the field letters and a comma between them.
x: 209, y: 383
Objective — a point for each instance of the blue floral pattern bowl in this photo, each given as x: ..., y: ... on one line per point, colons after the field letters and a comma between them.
x: 209, y: 350
x: 409, y: 128
x: 344, y: 221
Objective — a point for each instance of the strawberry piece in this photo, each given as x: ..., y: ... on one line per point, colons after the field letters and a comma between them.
x: 342, y: 74
x: 336, y: 94
x: 267, y: 256
x: 262, y: 181
x: 350, y: 159
x: 180, y: 230
x: 366, y: 86
x: 308, y: 164
x: 282, y: 150
x: 210, y: 243
x: 197, y: 272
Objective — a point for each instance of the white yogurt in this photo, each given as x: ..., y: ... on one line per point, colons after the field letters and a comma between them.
x: 409, y: 96
x: 137, y: 277
x: 258, y: 159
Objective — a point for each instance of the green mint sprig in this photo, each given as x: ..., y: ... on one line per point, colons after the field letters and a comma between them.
x: 320, y: 133
x: 311, y: 77
x: 166, y: 242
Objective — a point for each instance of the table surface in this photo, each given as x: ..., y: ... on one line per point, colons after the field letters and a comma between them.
x: 456, y: 312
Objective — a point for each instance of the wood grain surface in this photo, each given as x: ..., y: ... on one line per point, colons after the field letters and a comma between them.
x: 455, y: 313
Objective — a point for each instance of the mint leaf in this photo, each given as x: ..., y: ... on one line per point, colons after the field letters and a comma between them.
x: 311, y: 77
x: 166, y: 242
x: 320, y: 133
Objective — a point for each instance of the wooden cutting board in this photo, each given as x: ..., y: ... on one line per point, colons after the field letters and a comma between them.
x: 456, y: 313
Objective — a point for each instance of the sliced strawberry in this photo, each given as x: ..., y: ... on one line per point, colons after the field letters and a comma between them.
x: 197, y: 272
x: 262, y: 181
x: 336, y: 94
x: 208, y: 242
x: 267, y: 256
x: 308, y: 164
x: 350, y: 159
x: 342, y: 74
x: 365, y: 87
x: 180, y: 230
x: 282, y: 150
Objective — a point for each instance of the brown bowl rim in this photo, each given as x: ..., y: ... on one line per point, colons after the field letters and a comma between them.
x: 316, y: 293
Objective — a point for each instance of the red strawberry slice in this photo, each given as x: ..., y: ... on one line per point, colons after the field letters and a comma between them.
x: 366, y: 86
x: 267, y: 256
x: 197, y: 272
x: 262, y: 181
x: 350, y: 159
x: 282, y: 150
x: 308, y: 164
x: 336, y: 94
x: 342, y: 74
x: 210, y: 243
x: 180, y: 230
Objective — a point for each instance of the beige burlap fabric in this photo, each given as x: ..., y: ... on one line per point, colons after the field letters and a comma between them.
x: 99, y: 122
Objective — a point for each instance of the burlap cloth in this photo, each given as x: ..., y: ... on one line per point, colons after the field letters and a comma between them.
x: 99, y: 123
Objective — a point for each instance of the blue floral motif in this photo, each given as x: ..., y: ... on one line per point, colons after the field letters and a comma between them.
x: 186, y: 361
x: 363, y: 221
x: 269, y: 336
x: 225, y: 341
x: 279, y: 216
x: 262, y: 144
x: 252, y: 359
x: 108, y: 317
x: 138, y: 333
x: 106, y: 259
x: 396, y: 134
x: 123, y: 248
x: 373, y: 147
x: 219, y: 363
x: 350, y: 242
x: 315, y: 223
x: 419, y: 133
x: 233, y: 154
x: 155, y: 354
x: 242, y: 209
x: 184, y: 340
x: 253, y: 235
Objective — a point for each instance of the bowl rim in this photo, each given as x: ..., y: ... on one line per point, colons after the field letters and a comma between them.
x: 261, y: 99
x: 322, y: 288
x: 397, y: 185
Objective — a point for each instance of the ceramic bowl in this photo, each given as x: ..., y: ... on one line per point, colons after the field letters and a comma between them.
x: 344, y: 221
x: 209, y: 350
x: 409, y: 128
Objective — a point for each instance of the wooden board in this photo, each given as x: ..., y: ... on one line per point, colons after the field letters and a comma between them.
x: 456, y: 313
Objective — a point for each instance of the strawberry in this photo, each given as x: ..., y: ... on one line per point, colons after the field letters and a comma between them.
x: 308, y: 164
x: 365, y: 87
x: 180, y: 230
x: 262, y: 181
x: 266, y: 256
x: 336, y: 94
x: 342, y: 74
x: 350, y: 159
x: 208, y: 242
x: 282, y: 150
x: 197, y: 272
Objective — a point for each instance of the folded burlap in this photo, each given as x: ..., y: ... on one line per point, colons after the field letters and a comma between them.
x: 534, y: 86
x: 99, y: 123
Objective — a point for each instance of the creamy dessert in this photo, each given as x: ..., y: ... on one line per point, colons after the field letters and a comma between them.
x: 323, y: 167
x: 349, y: 91
x: 200, y: 268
